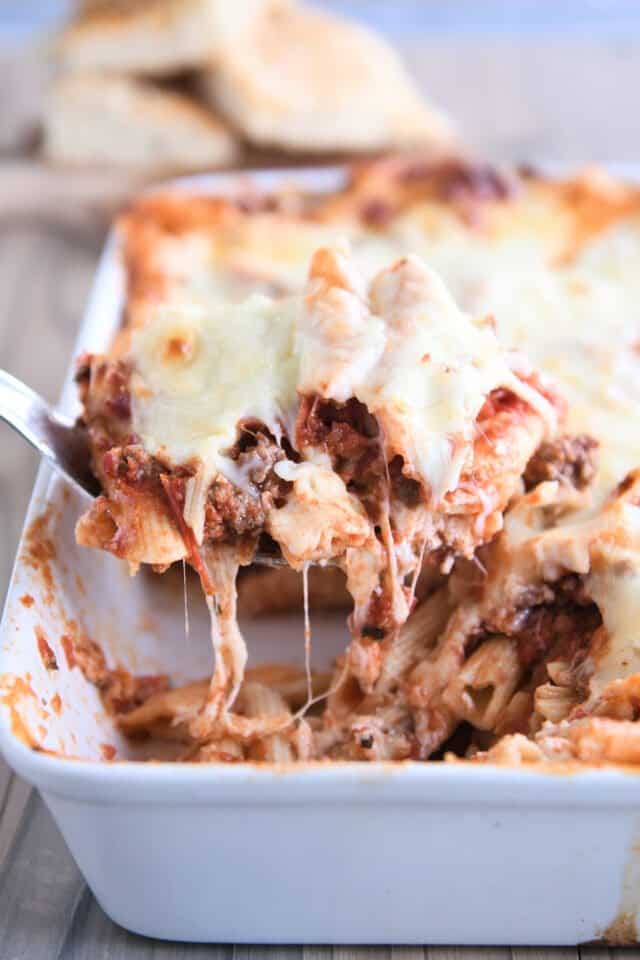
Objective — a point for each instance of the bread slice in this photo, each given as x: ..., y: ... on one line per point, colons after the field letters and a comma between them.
x: 307, y: 81
x: 114, y: 121
x: 153, y: 36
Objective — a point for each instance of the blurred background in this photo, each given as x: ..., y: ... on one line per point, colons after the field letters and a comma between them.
x: 521, y: 78
x: 100, y: 97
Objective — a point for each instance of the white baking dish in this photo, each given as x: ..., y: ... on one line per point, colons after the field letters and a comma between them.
x: 345, y: 853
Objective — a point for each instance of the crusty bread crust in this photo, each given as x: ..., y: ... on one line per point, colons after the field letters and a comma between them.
x: 112, y: 121
x: 155, y: 37
x: 307, y: 81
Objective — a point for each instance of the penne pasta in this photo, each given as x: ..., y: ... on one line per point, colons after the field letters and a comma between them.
x: 483, y: 687
x: 259, y: 700
x: 362, y: 410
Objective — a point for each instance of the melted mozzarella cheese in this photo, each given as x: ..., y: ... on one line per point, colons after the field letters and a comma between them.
x: 617, y: 594
x: 437, y: 368
x: 575, y: 317
x: 420, y: 365
x: 322, y: 519
x: 199, y: 371
x: 401, y: 346
x: 339, y: 339
x: 577, y: 320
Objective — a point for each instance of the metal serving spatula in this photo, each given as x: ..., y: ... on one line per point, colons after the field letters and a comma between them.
x: 57, y: 438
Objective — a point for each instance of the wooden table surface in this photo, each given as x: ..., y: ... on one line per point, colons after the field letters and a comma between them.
x: 563, y: 99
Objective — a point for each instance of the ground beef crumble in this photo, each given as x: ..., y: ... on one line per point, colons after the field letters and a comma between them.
x: 568, y: 459
x: 351, y: 437
x: 564, y: 619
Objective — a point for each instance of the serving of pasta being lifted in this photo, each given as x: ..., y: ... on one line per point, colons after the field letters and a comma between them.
x: 417, y: 394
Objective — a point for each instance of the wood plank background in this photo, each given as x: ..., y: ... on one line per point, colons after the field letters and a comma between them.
x: 566, y: 99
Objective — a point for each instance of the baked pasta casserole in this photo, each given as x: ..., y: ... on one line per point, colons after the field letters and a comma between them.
x: 419, y: 395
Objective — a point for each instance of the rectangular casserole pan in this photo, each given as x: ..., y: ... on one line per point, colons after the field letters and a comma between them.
x: 341, y: 853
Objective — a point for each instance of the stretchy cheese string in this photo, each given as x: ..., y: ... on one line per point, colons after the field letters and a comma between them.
x: 418, y: 569
x: 307, y: 631
x: 185, y: 600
